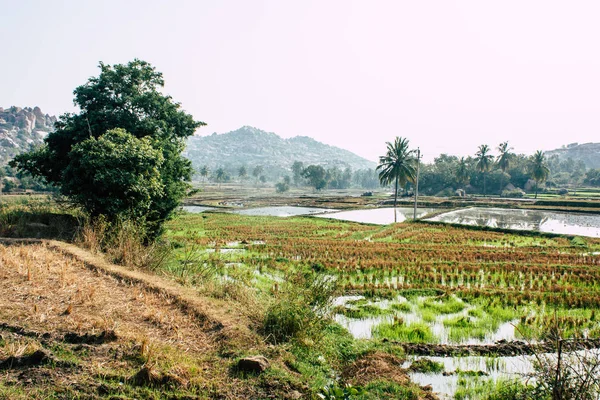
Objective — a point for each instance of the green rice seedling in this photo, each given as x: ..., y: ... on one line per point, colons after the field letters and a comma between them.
x: 426, y: 365
x: 398, y: 330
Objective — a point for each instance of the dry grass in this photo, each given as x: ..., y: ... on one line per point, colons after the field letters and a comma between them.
x: 113, y: 326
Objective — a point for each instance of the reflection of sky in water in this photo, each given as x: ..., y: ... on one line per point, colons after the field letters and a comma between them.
x: 196, y: 209
x: 282, y: 211
x: 380, y: 216
x: 535, y: 220
x: 496, y: 367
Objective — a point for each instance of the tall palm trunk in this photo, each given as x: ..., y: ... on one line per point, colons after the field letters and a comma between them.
x: 536, y: 189
x: 484, y: 193
x: 395, y: 197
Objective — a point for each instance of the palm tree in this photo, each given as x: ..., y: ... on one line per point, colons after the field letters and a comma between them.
x: 462, y: 172
x: 220, y: 175
x: 503, y: 160
x: 204, y: 171
x: 484, y: 162
x: 538, y: 168
x: 398, y: 165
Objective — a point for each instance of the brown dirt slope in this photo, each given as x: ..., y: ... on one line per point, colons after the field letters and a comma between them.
x: 74, y: 325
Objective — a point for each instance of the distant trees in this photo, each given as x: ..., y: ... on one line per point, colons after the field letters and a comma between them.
x: 297, y: 168
x: 397, y: 166
x: 220, y: 175
x: 242, y: 173
x: 484, y: 162
x: 462, y: 172
x: 315, y: 174
x: 282, y: 187
x: 592, y: 177
x: 257, y: 171
x: 539, y: 169
x: 503, y: 159
x: 204, y: 171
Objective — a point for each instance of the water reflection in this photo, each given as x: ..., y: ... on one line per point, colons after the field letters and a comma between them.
x: 531, y: 220
x: 196, y: 209
x: 283, y: 211
x: 379, y: 216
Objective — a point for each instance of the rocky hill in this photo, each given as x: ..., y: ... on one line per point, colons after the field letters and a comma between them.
x: 21, y: 129
x: 589, y: 153
x: 250, y: 146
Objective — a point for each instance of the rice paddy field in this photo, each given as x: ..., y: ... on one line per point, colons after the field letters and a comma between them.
x: 412, y: 310
x: 411, y: 282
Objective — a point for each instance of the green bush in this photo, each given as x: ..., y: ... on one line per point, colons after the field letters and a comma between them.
x: 301, y: 309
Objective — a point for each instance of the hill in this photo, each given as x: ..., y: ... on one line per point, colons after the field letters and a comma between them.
x: 589, y: 153
x: 21, y: 129
x: 251, y: 146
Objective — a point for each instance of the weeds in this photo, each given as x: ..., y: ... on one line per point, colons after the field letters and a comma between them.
x: 301, y: 309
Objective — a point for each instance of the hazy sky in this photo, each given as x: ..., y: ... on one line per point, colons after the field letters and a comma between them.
x: 448, y: 75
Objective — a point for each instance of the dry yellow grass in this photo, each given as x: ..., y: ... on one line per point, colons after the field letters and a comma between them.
x: 116, y: 322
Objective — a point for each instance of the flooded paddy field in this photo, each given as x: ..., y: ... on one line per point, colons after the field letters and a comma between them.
x: 379, y: 216
x: 283, y: 211
x: 409, y: 284
x: 528, y: 220
x: 272, y: 211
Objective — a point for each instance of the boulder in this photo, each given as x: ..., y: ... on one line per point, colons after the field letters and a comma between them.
x: 254, y: 364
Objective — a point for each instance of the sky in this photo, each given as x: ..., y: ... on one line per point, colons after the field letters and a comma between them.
x: 447, y: 75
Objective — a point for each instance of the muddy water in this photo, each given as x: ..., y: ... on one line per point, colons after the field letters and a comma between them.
x: 379, y: 216
x: 528, y: 220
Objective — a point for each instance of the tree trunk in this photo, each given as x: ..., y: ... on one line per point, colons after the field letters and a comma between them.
x: 484, y: 185
x: 395, y: 197
x: 536, y: 189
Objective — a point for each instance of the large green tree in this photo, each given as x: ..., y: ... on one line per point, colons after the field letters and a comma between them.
x: 316, y: 176
x: 116, y: 174
x: 398, y: 165
x: 538, y: 168
x: 484, y: 162
x: 125, y: 96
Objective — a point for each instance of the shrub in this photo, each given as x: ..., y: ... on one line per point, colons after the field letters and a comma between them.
x: 301, y: 309
x: 516, y: 193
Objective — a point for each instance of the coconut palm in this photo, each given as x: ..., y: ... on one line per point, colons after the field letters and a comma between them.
x: 204, y: 171
x: 484, y: 161
x: 220, y: 175
x: 462, y: 172
x: 538, y: 169
x: 503, y: 159
x: 398, y: 165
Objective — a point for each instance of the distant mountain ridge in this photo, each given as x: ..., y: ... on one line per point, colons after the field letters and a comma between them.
x: 589, y: 153
x: 249, y: 146
x: 22, y: 129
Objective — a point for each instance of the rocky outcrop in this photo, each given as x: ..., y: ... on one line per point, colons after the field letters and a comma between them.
x: 589, y: 153
x: 21, y: 129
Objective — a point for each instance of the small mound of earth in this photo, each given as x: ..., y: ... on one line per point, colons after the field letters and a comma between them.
x: 376, y: 365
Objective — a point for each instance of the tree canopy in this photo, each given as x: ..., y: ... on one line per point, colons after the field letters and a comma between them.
x: 539, y: 169
x: 125, y: 96
x: 398, y: 165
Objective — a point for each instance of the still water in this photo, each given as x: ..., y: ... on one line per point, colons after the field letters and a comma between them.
x: 379, y: 216
x: 528, y: 220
